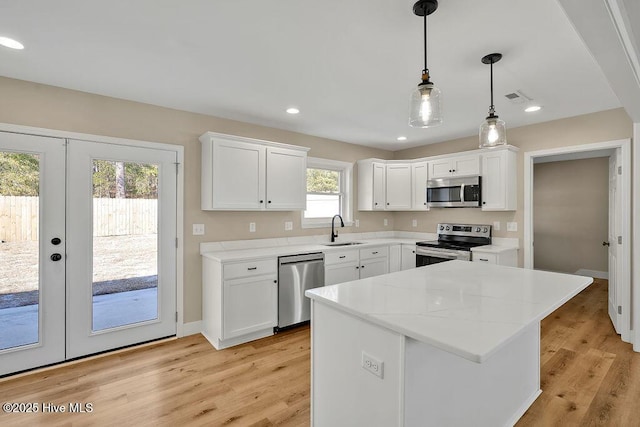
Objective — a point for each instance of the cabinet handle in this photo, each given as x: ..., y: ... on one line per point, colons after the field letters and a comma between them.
x: 376, y: 203
x: 357, y: 267
x: 484, y: 203
x: 275, y: 281
x: 484, y: 259
x: 261, y: 201
x: 450, y: 170
x: 373, y: 253
x: 453, y: 170
x: 425, y: 203
x: 413, y: 252
x: 362, y: 266
x: 342, y: 256
x: 387, y: 203
x: 252, y: 268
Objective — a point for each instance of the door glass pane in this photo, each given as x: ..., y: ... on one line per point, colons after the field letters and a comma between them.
x: 125, y: 243
x: 19, y: 252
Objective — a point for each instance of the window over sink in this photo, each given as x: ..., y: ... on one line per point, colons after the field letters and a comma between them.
x: 329, y: 192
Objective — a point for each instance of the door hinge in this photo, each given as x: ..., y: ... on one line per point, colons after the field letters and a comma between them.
x: 619, y: 309
x: 177, y: 166
x: 176, y: 316
x: 176, y: 242
x: 619, y: 240
x: 619, y: 170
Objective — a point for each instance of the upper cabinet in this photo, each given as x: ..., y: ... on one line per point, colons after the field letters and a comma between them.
x: 247, y: 174
x: 398, y: 188
x: 455, y: 166
x: 499, y: 179
x: 419, y: 176
x: 371, y: 185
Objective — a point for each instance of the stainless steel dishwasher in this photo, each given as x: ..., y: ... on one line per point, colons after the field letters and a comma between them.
x: 296, y: 274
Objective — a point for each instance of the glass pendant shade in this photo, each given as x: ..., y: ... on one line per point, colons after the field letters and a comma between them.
x: 493, y: 132
x: 425, y: 106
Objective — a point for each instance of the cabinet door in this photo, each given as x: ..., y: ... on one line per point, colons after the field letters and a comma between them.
x: 440, y: 168
x: 249, y: 305
x: 237, y: 175
x: 374, y: 267
x: 419, y: 186
x: 286, y: 179
x: 398, y: 192
x: 493, y: 180
x: 395, y: 258
x: 379, y: 187
x: 340, y: 273
x: 408, y: 257
x: 467, y: 165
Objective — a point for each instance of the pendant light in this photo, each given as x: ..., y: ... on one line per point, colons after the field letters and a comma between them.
x: 425, y: 109
x: 493, y: 131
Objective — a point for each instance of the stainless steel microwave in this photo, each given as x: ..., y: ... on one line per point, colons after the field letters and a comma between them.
x: 458, y: 192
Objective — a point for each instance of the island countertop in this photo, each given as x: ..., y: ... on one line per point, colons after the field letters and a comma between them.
x: 465, y: 308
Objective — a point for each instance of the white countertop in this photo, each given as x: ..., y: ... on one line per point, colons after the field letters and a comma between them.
x: 466, y: 308
x: 494, y: 249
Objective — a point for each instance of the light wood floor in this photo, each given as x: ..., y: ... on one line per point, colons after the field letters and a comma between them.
x: 589, y: 377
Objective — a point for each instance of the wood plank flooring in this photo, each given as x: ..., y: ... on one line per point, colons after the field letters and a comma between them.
x: 589, y: 377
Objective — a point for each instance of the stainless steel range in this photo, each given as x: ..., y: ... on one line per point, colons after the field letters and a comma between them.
x: 454, y: 242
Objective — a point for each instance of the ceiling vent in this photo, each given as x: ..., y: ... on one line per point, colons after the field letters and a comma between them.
x: 518, y: 97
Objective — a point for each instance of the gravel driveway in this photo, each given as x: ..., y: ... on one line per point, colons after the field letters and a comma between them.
x: 121, y: 263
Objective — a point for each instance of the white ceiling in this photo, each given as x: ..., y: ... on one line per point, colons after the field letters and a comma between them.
x: 348, y: 65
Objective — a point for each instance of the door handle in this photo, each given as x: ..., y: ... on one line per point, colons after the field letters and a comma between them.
x: 56, y: 241
x: 606, y: 244
x: 55, y: 257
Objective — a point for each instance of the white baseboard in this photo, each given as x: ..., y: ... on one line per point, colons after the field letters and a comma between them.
x: 593, y: 273
x: 191, y: 328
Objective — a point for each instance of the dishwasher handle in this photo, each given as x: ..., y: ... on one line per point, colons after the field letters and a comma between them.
x: 296, y: 259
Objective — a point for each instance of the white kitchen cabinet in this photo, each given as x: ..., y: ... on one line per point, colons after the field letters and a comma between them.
x: 250, y: 305
x: 492, y: 254
x: 499, y: 179
x: 373, y: 267
x: 395, y: 258
x: 454, y: 166
x: 340, y: 273
x: 371, y: 185
x: 408, y: 256
x: 247, y: 174
x: 419, y: 176
x: 239, y: 300
x: 398, y: 186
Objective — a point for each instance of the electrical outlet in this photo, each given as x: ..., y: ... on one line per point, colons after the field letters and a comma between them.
x: 373, y: 365
x: 357, y: 223
x: 252, y: 227
x: 512, y: 226
x: 496, y: 225
x: 414, y: 222
x: 288, y: 225
x: 386, y: 222
x: 198, y: 229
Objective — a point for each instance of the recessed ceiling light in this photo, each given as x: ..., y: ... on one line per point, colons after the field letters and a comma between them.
x: 11, y: 43
x: 401, y: 138
x: 532, y: 108
x: 293, y: 110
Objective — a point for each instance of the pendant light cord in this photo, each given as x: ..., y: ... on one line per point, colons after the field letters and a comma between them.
x: 492, y: 107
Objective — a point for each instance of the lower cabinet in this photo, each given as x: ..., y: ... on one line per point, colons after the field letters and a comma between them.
x: 496, y: 255
x: 374, y: 267
x: 250, y: 305
x: 339, y: 273
x: 239, y: 300
x: 352, y: 264
x: 408, y: 257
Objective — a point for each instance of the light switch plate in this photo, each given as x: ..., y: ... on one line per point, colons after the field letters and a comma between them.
x: 414, y: 222
x: 288, y: 225
x: 386, y: 222
x: 496, y: 225
x: 198, y: 229
x: 512, y: 226
x: 357, y: 223
x: 252, y: 227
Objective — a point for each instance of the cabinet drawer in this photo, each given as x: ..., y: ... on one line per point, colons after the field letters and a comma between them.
x: 378, y: 252
x: 250, y: 268
x: 485, y: 257
x: 340, y: 257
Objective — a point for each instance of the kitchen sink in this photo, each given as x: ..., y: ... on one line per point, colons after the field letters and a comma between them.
x: 343, y: 244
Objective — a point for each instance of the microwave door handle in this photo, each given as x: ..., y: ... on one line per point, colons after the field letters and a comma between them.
x: 462, y: 192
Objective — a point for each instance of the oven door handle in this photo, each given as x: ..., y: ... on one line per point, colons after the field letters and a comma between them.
x: 462, y: 193
x: 437, y: 254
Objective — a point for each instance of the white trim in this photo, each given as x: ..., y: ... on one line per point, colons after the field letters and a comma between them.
x: 178, y: 149
x: 593, y: 273
x: 191, y: 328
x: 636, y: 238
x: 346, y: 184
x: 625, y: 148
x: 215, y: 135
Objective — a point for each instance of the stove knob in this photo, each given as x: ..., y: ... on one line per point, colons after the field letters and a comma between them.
x: 477, y: 229
x: 485, y: 229
x: 442, y: 227
x: 448, y: 228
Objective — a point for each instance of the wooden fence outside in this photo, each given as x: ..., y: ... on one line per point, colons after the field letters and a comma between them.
x: 112, y: 217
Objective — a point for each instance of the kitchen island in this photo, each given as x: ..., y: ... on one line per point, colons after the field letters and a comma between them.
x: 449, y: 344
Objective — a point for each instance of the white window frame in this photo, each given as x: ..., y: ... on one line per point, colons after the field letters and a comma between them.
x: 346, y: 189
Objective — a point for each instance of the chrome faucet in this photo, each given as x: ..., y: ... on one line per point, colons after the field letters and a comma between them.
x: 333, y: 227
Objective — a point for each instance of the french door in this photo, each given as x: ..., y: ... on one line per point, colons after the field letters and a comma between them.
x: 101, y: 272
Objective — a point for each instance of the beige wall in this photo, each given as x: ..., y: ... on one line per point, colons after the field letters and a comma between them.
x: 589, y: 128
x: 571, y: 214
x: 31, y: 104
